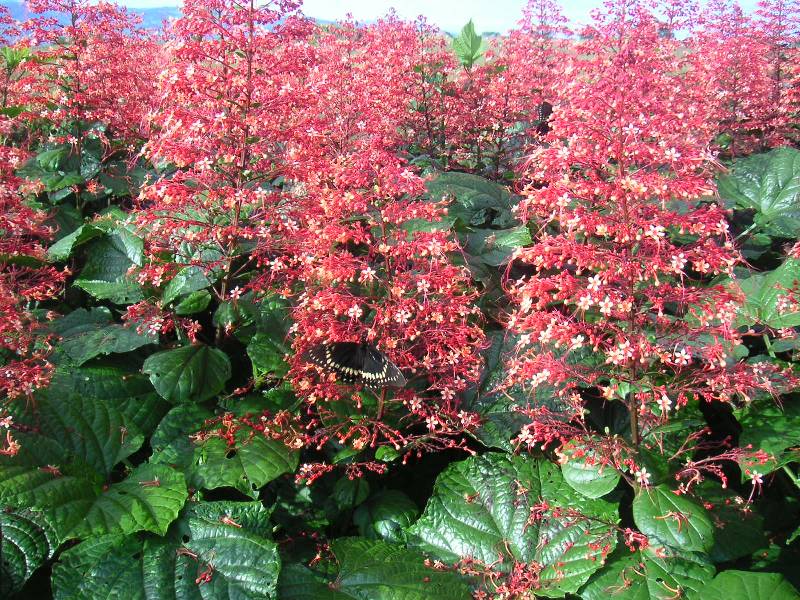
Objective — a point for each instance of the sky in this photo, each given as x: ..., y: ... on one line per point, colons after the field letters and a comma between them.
x: 450, y: 15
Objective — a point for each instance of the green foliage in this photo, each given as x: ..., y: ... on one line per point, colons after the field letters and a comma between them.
x: 248, y: 466
x: 469, y: 46
x: 192, y: 373
x: 371, y: 570
x: 386, y: 515
x: 672, y: 520
x: 746, y: 585
x: 762, y: 292
x: 481, y: 508
x: 768, y: 184
x: 231, y: 536
x: 585, y: 473
x: 650, y: 574
x: 88, y: 334
x: 27, y: 540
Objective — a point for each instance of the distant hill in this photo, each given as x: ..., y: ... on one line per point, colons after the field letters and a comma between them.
x: 151, y: 17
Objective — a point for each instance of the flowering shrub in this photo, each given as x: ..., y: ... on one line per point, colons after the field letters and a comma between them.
x: 301, y: 310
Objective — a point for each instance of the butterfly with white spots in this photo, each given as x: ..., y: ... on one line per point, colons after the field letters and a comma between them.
x: 355, y: 362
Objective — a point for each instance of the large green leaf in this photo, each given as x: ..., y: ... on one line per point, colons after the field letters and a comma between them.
x: 585, y: 472
x: 372, y: 570
x: 192, y: 373
x: 64, y: 247
x: 500, y: 419
x: 475, y: 201
x: 27, y: 540
x: 762, y: 293
x: 249, y: 465
x: 88, y: 334
x: 769, y: 184
x: 267, y: 351
x: 65, y: 471
x: 105, y: 275
x: 673, y: 520
x: 128, y: 391
x: 738, y: 530
x: 149, y: 499
x: 746, y: 585
x: 494, y: 247
x: 481, y: 508
x: 227, y: 540
x: 386, y: 515
x: 78, y: 428
x: 767, y: 427
x: 469, y: 46
x: 656, y: 573
x: 186, y: 281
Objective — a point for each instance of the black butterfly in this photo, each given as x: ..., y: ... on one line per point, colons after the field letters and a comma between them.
x: 355, y: 362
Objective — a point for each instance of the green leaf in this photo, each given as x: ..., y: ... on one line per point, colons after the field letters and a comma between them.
x: 738, y: 531
x: 746, y: 585
x: 64, y: 469
x: 268, y: 351
x: 128, y: 391
x: 187, y: 281
x: 27, y: 540
x: 83, y: 428
x: 656, y: 573
x: 100, y: 567
x: 64, y: 247
x: 372, y: 570
x: 766, y: 427
x: 495, y: 247
x: 245, y: 562
x: 105, y: 275
x: 673, y: 520
x: 481, y: 508
x: 585, y: 473
x: 248, y: 466
x: 88, y: 334
x: 769, y: 184
x: 149, y: 499
x: 501, y: 421
x: 762, y: 292
x: 193, y: 303
x: 469, y: 46
x: 386, y: 515
x: 475, y: 201
x: 349, y: 493
x: 189, y: 374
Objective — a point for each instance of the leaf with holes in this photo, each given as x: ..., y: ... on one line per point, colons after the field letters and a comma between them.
x: 481, y: 508
x: 248, y: 466
x: 656, y: 573
x: 744, y: 585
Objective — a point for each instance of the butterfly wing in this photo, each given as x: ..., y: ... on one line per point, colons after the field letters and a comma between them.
x: 356, y: 363
x: 379, y: 371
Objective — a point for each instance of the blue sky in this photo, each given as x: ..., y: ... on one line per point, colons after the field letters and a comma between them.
x: 489, y: 15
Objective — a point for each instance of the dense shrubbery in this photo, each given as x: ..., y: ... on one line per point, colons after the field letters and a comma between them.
x: 596, y: 310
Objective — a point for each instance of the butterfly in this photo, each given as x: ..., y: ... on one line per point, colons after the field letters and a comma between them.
x: 357, y: 362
